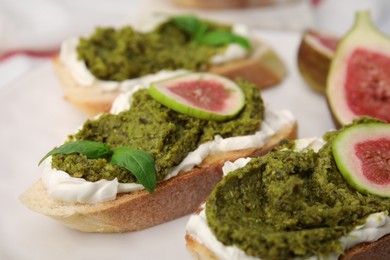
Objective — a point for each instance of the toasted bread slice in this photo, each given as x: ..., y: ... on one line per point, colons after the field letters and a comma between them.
x: 262, y: 67
x: 138, y: 210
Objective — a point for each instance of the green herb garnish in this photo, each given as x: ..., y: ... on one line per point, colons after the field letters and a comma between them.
x: 92, y: 150
x: 190, y: 24
x: 221, y: 38
x: 140, y: 163
x: 201, y: 34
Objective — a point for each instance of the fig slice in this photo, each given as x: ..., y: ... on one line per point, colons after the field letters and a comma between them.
x: 359, y: 78
x: 201, y: 95
x: 362, y: 154
x: 315, y: 54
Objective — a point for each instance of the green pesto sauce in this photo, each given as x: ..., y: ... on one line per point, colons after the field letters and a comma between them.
x: 125, y: 53
x: 288, y: 204
x: 149, y: 126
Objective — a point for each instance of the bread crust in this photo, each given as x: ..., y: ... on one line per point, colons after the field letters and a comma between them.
x: 263, y: 68
x: 197, y: 250
x: 90, y: 100
x: 379, y: 249
x: 176, y: 197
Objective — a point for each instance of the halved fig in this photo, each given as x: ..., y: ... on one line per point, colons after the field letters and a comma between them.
x: 362, y: 154
x: 200, y: 95
x: 315, y: 54
x: 359, y: 79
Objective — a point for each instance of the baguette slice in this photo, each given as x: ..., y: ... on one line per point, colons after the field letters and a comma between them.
x: 138, y: 210
x: 263, y: 67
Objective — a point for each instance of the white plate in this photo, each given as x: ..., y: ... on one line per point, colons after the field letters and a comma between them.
x: 35, y: 118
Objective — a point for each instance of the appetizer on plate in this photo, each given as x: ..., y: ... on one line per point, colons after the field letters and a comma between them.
x: 308, y: 199
x: 94, y: 69
x: 150, y: 161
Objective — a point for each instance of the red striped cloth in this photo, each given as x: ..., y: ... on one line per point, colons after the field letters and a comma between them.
x: 315, y: 2
x: 30, y: 53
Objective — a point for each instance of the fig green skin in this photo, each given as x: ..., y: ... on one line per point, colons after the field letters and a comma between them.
x: 363, y: 35
x: 171, y: 101
x: 350, y: 166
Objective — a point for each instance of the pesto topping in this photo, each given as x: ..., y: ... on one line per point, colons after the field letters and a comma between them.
x: 123, y: 54
x: 149, y: 126
x: 288, y: 204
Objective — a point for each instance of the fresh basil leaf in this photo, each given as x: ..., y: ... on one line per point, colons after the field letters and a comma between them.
x: 188, y: 23
x: 198, y: 30
x: 140, y: 163
x: 217, y: 38
x: 241, y: 41
x: 201, y: 31
x: 91, y: 149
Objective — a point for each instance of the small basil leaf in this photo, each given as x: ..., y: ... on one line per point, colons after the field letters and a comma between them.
x: 140, y: 163
x: 241, y: 41
x: 188, y: 23
x: 223, y: 37
x: 201, y: 31
x: 91, y: 149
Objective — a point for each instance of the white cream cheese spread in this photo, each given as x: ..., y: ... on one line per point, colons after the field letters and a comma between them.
x: 376, y: 226
x: 63, y: 187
